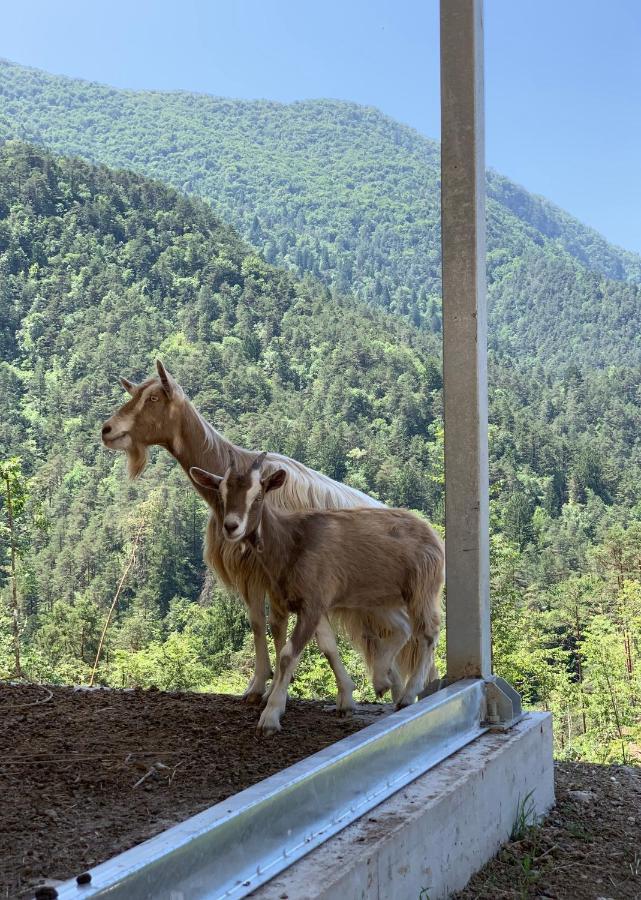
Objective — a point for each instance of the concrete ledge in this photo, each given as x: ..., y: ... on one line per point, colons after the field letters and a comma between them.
x: 430, y: 838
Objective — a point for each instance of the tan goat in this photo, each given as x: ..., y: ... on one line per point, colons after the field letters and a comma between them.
x: 159, y: 413
x: 321, y: 562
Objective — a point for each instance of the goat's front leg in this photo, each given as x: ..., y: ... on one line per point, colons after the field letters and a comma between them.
x: 306, y: 625
x: 345, y: 686
x: 262, y: 666
x: 278, y: 626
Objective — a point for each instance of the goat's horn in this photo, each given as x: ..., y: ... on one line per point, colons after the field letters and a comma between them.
x: 257, y: 463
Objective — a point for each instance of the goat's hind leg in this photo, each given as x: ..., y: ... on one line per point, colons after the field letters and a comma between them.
x: 392, y: 633
x: 421, y: 647
x: 345, y: 686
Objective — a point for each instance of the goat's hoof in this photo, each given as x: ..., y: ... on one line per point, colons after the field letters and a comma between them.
x: 253, y: 698
x: 268, y: 723
x: 404, y: 701
x: 267, y: 732
x: 345, y: 704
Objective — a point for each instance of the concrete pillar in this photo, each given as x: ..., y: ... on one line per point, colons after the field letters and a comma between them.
x: 464, y: 339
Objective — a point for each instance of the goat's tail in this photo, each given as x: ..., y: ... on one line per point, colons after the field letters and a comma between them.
x: 423, y: 598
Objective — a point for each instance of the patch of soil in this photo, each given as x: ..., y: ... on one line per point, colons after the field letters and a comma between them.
x: 588, y: 848
x: 87, y: 774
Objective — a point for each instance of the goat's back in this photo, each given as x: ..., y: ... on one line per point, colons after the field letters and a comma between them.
x: 371, y: 550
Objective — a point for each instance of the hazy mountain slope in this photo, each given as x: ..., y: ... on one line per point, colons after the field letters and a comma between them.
x: 350, y: 195
x: 585, y: 244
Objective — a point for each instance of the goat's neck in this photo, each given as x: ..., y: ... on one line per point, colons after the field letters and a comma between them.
x: 273, y: 542
x: 197, y: 443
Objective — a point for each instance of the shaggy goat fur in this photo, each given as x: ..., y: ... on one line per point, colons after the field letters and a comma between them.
x: 319, y: 563
x: 159, y: 413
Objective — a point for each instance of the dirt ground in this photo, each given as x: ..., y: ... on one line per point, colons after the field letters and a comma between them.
x: 588, y: 848
x: 87, y: 774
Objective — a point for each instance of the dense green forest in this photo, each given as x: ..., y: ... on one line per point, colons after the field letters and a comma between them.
x: 345, y: 193
x: 103, y: 271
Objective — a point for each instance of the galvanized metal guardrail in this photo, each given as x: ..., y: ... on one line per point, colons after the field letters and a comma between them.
x: 232, y: 848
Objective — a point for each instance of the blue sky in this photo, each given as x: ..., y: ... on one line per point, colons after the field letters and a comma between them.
x: 563, y: 77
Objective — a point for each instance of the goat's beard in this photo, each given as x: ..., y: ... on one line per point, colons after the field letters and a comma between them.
x: 136, y: 459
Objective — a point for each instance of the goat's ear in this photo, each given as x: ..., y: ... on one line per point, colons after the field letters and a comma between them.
x: 205, y: 479
x: 168, y: 383
x: 275, y: 480
x: 129, y: 386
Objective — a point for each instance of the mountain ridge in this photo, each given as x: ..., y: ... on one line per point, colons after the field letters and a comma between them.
x: 347, y: 194
x: 494, y: 175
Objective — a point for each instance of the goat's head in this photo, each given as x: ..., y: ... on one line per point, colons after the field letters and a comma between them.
x: 151, y: 416
x: 242, y: 494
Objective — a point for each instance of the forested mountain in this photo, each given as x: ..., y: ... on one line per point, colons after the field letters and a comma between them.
x: 347, y: 194
x: 102, y: 271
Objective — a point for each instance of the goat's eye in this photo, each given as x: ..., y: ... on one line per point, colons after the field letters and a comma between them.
x: 153, y: 398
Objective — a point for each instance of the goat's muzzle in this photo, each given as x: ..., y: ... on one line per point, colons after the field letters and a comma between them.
x: 231, y: 526
x: 112, y: 439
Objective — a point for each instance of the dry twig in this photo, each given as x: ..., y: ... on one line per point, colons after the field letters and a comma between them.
x: 36, y: 702
x: 130, y: 562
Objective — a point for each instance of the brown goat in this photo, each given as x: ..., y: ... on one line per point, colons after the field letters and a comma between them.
x: 320, y: 562
x: 159, y: 413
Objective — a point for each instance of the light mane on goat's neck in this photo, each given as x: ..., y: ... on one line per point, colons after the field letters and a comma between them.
x: 200, y: 444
